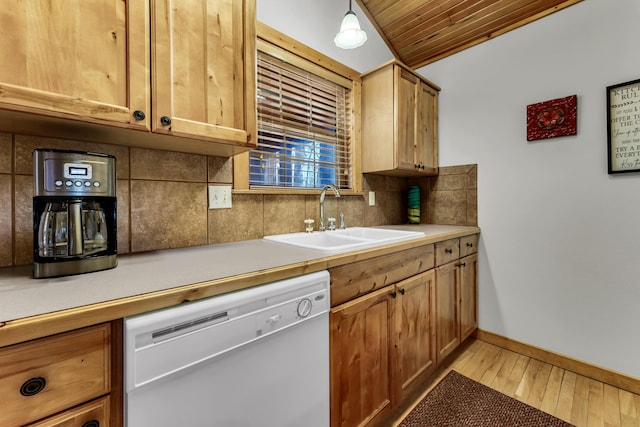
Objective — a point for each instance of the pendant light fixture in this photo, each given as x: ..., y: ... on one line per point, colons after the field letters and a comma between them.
x: 350, y: 35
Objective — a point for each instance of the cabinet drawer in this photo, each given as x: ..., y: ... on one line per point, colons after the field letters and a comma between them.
x: 468, y: 245
x: 447, y: 251
x: 92, y: 414
x: 48, y: 375
x: 353, y: 280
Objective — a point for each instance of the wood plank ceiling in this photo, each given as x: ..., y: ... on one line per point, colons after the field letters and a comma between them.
x: 419, y: 32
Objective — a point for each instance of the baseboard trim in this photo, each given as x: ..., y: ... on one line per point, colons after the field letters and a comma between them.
x: 607, y: 376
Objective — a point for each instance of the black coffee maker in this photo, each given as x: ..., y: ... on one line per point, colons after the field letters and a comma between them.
x: 74, y: 212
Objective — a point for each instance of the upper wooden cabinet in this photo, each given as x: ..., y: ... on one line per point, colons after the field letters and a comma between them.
x: 86, y: 61
x: 203, y: 69
x: 399, y: 122
x: 169, y: 74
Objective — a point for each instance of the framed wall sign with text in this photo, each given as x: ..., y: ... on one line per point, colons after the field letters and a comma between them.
x: 623, y: 127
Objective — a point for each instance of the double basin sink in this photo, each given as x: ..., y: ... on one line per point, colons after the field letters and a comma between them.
x: 348, y: 239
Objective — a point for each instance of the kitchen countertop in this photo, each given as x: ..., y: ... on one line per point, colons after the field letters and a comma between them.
x: 146, y: 281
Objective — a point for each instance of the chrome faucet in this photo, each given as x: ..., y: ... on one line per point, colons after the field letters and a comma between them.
x: 336, y: 193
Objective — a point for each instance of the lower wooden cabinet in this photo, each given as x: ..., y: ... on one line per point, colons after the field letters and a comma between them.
x: 382, y: 346
x: 361, y: 338
x: 61, y: 380
x: 93, y: 414
x: 468, y: 295
x: 387, y: 342
x: 447, y: 309
x: 415, y: 333
x: 456, y: 303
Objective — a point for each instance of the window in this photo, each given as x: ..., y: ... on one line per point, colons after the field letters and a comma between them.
x: 304, y: 129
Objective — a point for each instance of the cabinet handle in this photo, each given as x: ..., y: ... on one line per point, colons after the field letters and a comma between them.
x: 92, y: 423
x: 402, y: 291
x: 394, y: 294
x: 33, y: 386
x: 460, y: 264
x: 139, y: 115
x: 448, y: 251
x: 166, y: 121
x: 469, y: 245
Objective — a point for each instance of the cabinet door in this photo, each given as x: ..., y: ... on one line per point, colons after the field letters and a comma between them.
x: 447, y: 319
x: 361, y: 338
x: 426, y: 131
x: 203, y: 62
x: 42, y: 377
x: 415, y: 329
x: 468, y: 295
x: 406, y: 93
x: 83, y: 60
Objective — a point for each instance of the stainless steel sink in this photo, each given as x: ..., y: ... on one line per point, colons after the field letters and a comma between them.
x: 345, y: 240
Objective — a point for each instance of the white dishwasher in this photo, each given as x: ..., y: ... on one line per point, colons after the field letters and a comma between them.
x: 256, y: 357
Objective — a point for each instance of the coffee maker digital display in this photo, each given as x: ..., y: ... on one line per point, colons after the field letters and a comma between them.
x: 74, y: 213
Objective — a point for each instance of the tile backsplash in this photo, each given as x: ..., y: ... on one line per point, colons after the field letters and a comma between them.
x: 162, y: 199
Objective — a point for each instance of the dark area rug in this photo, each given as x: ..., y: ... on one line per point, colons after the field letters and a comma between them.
x: 462, y: 402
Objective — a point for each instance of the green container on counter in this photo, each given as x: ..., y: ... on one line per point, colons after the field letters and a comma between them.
x: 413, y: 203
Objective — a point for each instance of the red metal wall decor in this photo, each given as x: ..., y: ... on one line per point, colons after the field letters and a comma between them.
x: 548, y: 119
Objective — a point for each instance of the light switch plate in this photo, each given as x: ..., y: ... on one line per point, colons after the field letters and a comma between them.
x: 372, y: 198
x: 219, y: 196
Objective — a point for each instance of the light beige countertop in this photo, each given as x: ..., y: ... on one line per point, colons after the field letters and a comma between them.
x: 30, y: 308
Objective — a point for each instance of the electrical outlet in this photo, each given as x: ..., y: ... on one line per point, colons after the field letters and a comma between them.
x: 219, y: 196
x: 372, y: 198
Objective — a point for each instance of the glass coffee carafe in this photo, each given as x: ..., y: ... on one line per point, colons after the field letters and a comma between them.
x: 72, y: 228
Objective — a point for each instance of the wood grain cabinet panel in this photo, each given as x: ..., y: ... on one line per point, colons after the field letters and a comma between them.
x: 179, y: 68
x: 48, y: 375
x: 203, y: 69
x: 382, y: 342
x: 361, y: 338
x: 468, y: 295
x: 456, y: 293
x: 350, y: 281
x: 92, y: 414
x: 415, y: 333
x: 80, y: 60
x: 447, y: 251
x: 447, y: 306
x: 468, y: 245
x: 400, y: 109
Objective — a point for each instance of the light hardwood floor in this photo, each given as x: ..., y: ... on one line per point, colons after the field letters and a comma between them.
x: 564, y: 394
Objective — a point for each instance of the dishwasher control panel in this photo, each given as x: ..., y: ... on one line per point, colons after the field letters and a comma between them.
x: 292, y: 312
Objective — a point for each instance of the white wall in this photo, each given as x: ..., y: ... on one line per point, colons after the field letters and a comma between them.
x: 560, y: 243
x: 315, y: 23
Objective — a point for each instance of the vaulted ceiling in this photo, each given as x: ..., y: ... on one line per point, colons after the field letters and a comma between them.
x: 419, y: 32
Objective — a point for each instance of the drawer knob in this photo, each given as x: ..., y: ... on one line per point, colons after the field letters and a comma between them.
x: 92, y: 423
x: 448, y: 251
x: 33, y: 386
x: 139, y: 115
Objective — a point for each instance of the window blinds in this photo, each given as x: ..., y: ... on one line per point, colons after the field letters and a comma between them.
x: 304, y: 128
